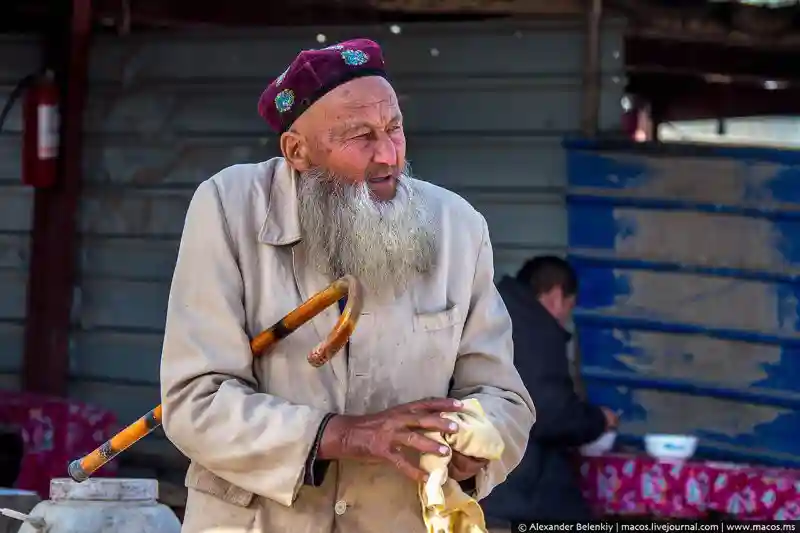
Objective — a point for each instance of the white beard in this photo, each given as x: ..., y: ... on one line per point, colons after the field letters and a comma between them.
x: 347, y: 231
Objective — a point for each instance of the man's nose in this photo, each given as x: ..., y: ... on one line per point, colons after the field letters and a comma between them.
x: 385, y: 151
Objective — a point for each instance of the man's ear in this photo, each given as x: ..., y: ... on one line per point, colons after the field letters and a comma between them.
x: 295, y: 150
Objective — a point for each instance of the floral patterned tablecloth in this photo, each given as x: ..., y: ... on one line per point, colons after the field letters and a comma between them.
x: 641, y: 485
x: 55, y: 431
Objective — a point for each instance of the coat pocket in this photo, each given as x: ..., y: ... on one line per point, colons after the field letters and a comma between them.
x: 206, y: 513
x: 438, y: 320
x: 215, y: 504
x: 204, y: 481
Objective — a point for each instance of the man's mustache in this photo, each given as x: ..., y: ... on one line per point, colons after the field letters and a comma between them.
x: 382, y: 171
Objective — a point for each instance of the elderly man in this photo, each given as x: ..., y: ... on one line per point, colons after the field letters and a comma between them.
x: 276, y: 445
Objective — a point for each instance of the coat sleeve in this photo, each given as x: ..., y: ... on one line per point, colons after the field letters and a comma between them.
x: 564, y: 419
x: 485, y: 370
x: 212, y: 412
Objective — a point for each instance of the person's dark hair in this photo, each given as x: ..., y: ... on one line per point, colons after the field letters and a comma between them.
x: 545, y: 272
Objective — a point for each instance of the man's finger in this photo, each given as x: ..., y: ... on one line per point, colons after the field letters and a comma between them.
x: 465, y: 461
x: 456, y: 473
x: 463, y: 467
x: 403, y: 465
x: 431, y: 422
x: 441, y: 405
x: 468, y: 466
x: 421, y: 443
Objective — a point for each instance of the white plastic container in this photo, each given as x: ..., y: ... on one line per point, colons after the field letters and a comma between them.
x: 101, y: 506
x: 600, y: 446
x: 676, y: 447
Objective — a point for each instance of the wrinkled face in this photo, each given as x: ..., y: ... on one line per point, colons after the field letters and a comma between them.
x: 360, y: 210
x: 355, y: 132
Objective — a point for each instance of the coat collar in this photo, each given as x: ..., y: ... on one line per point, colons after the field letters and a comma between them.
x: 281, y: 225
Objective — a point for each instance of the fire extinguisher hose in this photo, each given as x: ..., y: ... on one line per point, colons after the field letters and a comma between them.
x: 15, y: 94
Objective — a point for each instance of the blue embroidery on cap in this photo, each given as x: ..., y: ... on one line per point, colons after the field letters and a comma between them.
x: 284, y: 100
x: 355, y: 58
x: 279, y: 79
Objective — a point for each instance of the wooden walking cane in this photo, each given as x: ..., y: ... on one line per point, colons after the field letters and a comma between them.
x: 82, y: 469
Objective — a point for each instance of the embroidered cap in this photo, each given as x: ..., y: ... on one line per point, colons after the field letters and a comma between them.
x: 314, y: 73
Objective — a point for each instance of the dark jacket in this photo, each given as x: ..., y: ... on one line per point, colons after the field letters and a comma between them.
x: 545, y: 484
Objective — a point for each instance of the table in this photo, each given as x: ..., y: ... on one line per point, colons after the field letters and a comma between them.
x: 640, y: 485
x: 54, y: 431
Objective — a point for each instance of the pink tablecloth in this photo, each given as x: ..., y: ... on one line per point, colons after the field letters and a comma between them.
x: 55, y: 431
x: 617, y: 484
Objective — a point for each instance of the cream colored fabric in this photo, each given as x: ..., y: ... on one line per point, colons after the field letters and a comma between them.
x: 247, y: 424
x: 445, y: 507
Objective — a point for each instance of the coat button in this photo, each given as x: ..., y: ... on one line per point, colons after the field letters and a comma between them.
x: 340, y: 508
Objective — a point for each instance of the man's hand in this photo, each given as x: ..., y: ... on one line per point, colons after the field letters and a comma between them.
x: 612, y: 420
x: 464, y: 467
x: 390, y: 434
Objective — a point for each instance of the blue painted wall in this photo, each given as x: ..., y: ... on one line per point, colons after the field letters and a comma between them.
x: 687, y: 317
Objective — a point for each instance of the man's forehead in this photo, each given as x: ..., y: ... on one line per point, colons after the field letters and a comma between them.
x: 350, y: 107
x: 363, y: 93
x: 354, y: 114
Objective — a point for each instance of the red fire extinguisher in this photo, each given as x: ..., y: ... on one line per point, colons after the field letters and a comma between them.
x: 40, y: 136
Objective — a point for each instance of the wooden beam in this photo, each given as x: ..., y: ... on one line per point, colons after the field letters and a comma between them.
x: 590, y: 104
x: 689, y: 98
x: 655, y: 55
x: 730, y: 23
x: 54, y: 237
x: 497, y: 7
x: 188, y: 13
x: 210, y: 13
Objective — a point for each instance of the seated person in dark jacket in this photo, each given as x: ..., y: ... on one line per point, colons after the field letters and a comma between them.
x: 545, y: 486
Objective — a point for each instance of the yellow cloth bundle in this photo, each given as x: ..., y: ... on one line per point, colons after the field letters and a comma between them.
x: 445, y: 507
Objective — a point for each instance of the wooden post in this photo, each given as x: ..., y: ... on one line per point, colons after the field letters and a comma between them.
x: 590, y: 112
x: 54, y: 239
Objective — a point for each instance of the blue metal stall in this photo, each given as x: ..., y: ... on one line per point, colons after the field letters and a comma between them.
x: 687, y: 318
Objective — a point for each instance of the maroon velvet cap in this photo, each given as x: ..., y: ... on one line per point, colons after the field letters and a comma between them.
x: 314, y: 73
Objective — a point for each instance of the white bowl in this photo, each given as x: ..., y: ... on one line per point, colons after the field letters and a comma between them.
x: 601, y: 445
x: 670, y: 446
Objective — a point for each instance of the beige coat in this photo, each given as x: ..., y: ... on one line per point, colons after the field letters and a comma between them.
x: 248, y: 425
